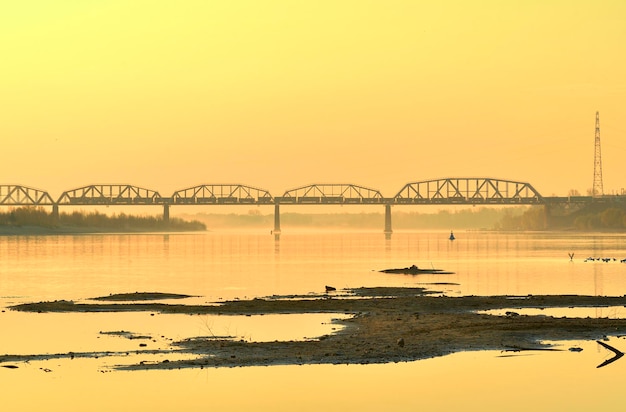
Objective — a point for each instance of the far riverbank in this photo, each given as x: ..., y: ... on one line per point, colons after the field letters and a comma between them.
x: 37, y: 221
x: 72, y: 230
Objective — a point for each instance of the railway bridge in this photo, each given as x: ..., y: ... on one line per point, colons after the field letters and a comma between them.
x: 444, y: 191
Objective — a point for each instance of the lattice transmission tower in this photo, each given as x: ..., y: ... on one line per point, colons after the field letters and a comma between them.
x: 597, y: 163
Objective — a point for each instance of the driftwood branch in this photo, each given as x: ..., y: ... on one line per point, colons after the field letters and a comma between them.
x: 618, y: 354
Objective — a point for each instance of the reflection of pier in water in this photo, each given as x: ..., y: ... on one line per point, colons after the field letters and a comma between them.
x: 440, y: 192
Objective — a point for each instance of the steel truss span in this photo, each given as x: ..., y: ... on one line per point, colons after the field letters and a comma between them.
x: 468, y: 191
x: 17, y: 195
x: 231, y: 194
x: 117, y: 194
x: 332, y: 194
x: 445, y: 191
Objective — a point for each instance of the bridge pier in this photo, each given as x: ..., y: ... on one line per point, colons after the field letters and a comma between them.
x: 547, y: 216
x: 276, y: 219
x: 55, y: 212
x: 388, y: 230
x: 166, y: 212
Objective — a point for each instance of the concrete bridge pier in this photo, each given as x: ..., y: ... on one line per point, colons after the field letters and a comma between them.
x: 388, y: 230
x: 547, y: 216
x: 55, y: 212
x: 276, y: 219
x: 166, y: 212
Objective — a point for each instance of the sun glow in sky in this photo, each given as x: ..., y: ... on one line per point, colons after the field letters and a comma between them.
x: 279, y: 94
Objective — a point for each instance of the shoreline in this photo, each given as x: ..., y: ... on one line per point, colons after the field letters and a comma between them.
x: 386, y: 325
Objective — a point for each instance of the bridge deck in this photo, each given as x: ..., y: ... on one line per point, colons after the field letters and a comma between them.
x: 448, y: 191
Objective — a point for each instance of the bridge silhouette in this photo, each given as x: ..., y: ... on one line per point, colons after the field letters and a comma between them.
x: 445, y: 191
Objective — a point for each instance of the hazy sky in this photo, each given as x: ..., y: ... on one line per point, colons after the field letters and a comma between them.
x: 279, y: 94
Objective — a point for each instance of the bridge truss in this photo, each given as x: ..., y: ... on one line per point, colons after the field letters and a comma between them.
x: 468, y: 191
x: 17, y: 195
x: 331, y: 194
x: 445, y: 191
x: 115, y: 194
x: 231, y: 194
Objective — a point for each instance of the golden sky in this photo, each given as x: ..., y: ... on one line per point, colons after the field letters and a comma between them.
x: 280, y: 94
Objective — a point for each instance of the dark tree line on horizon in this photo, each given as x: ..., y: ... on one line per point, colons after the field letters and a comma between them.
x: 39, y: 217
x: 609, y: 219
x: 484, y: 218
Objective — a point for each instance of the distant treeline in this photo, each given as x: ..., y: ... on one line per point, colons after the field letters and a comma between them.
x: 507, y: 218
x: 533, y: 218
x: 474, y: 218
x: 39, y: 217
x: 609, y: 219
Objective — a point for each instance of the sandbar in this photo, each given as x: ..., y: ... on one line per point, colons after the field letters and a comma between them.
x: 387, y: 324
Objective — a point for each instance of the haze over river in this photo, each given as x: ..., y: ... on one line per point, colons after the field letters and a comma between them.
x: 216, y: 266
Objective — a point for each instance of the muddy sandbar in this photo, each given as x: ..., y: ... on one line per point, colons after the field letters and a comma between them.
x: 387, y: 325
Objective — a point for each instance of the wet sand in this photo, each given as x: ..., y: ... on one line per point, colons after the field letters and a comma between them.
x: 387, y: 325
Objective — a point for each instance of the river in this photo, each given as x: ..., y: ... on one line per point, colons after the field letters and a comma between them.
x: 223, y: 265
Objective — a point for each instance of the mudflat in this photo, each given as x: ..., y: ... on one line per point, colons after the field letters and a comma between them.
x: 386, y: 325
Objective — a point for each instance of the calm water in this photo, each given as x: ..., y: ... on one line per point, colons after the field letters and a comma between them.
x: 228, y: 265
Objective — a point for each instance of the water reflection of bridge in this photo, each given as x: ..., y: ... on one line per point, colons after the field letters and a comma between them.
x: 446, y: 191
